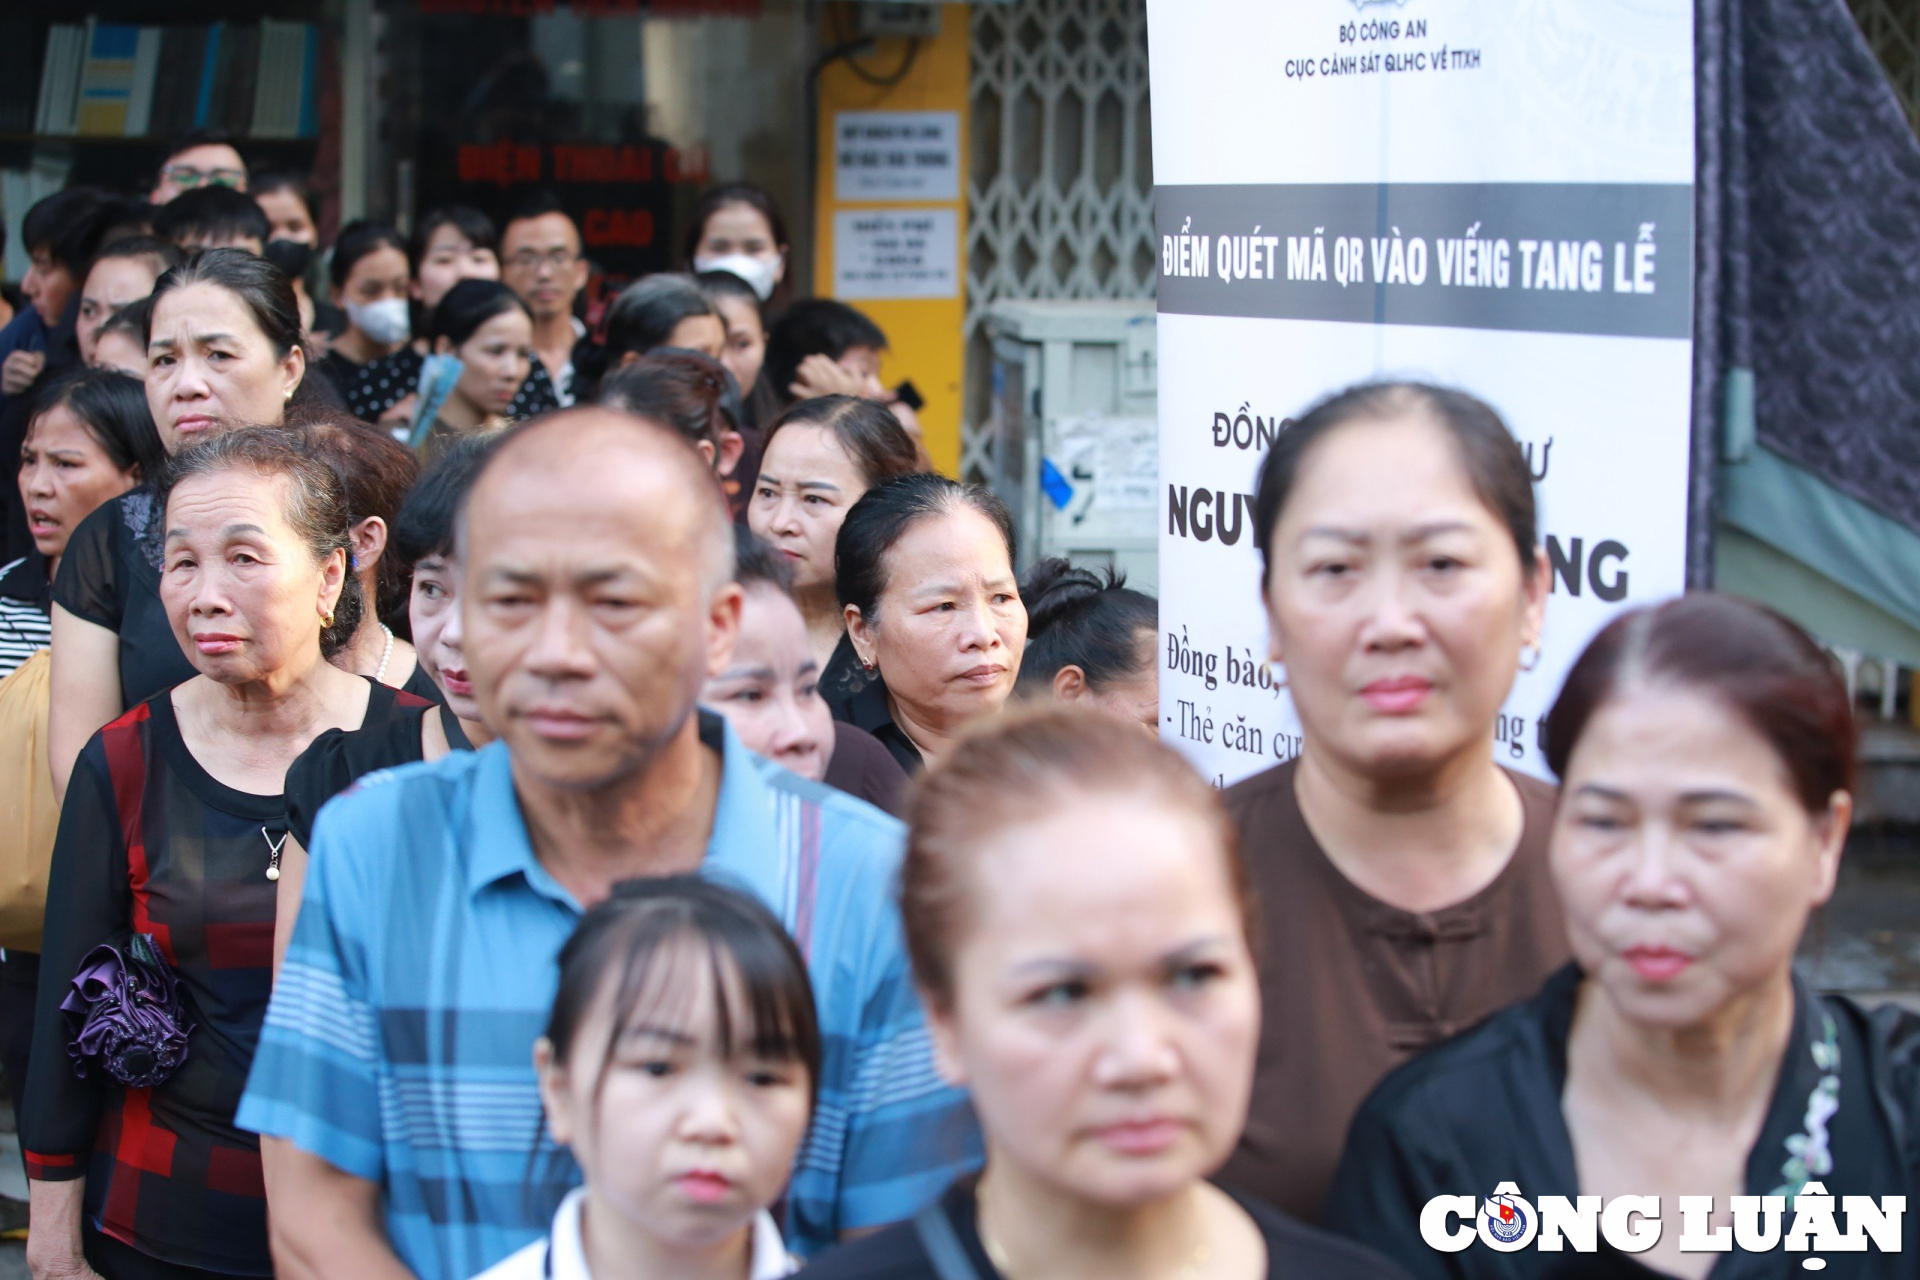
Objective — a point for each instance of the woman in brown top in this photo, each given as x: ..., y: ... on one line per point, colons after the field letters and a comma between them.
x: 1401, y: 872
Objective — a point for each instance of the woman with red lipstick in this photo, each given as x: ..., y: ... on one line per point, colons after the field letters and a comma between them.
x: 1403, y: 871
x: 679, y: 1067
x: 224, y: 342
x: 175, y: 829
x: 89, y: 439
x: 820, y: 457
x: 486, y: 329
x: 924, y: 570
x: 1705, y: 749
x: 1080, y: 928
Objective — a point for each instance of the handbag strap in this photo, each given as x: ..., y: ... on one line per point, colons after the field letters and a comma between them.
x: 942, y: 1243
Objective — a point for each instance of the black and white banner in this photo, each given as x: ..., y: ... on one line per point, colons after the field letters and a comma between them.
x: 1497, y: 196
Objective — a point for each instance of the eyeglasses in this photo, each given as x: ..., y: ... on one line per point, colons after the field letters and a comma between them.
x: 528, y: 260
x: 186, y: 177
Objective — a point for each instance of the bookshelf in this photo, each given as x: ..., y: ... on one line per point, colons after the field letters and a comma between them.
x: 97, y: 81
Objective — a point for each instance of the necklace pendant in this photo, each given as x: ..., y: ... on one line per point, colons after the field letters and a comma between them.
x: 273, y: 873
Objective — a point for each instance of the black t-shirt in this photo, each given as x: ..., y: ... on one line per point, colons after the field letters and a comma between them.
x: 867, y: 709
x: 897, y: 1253
x: 339, y: 757
x: 110, y: 576
x: 861, y: 767
x: 421, y: 686
x: 1485, y: 1108
x: 341, y: 372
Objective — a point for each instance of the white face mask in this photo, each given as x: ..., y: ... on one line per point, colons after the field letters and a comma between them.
x: 386, y: 321
x: 760, y: 273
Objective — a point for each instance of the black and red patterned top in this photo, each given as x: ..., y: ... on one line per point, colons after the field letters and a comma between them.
x: 150, y: 842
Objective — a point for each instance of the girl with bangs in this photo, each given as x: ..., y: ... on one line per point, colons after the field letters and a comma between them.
x: 679, y: 1065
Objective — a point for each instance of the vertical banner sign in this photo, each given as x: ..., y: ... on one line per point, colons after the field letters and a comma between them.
x: 1497, y: 196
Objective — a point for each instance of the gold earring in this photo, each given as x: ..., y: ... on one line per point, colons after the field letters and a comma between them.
x: 326, y: 619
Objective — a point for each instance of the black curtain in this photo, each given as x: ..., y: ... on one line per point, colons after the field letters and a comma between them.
x: 1808, y: 254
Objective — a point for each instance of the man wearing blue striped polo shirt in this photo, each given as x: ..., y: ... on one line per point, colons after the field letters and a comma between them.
x: 393, y: 1087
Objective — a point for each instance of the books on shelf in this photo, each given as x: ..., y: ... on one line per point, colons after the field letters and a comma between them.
x: 100, y: 79
x: 146, y: 75
x: 281, y: 97
x: 106, y: 79
x: 60, y: 79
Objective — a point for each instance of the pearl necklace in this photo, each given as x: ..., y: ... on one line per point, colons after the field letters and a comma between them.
x: 273, y: 856
x: 386, y: 655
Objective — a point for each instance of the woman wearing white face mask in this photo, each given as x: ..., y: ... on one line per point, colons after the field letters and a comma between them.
x: 737, y: 228
x: 370, y: 281
x: 450, y: 244
x: 1705, y: 749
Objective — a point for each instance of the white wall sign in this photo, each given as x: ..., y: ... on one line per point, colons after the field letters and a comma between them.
x: 896, y: 253
x: 896, y: 155
x: 1495, y: 196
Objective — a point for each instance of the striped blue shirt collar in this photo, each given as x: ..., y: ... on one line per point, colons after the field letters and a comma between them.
x: 743, y: 845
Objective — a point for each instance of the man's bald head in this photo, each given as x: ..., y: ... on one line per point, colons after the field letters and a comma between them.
x: 595, y: 559
x: 594, y: 455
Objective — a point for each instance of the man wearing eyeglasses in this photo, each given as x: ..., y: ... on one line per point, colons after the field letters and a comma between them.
x: 200, y: 159
x: 540, y: 260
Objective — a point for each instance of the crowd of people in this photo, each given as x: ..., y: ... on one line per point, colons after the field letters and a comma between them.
x: 500, y: 797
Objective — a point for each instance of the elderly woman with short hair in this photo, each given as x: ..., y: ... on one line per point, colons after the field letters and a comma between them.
x: 173, y: 830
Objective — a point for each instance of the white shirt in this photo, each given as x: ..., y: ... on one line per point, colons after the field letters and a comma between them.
x: 562, y: 1255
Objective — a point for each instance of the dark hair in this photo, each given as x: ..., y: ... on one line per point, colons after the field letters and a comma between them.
x: 113, y: 409
x: 316, y: 502
x: 757, y: 564
x: 646, y: 312
x: 718, y: 198
x: 69, y: 225
x: 271, y: 180
x: 1079, y: 618
x: 424, y: 526
x: 724, y: 284
x: 470, y: 304
x: 132, y: 320
x: 629, y: 941
x: 129, y: 219
x: 212, y: 213
x: 879, y: 446
x: 375, y: 471
x: 1017, y: 768
x: 537, y: 203
x: 815, y: 326
x: 680, y: 389
x: 262, y: 288
x: 1494, y: 462
x: 1753, y: 660
x: 357, y: 239
x: 884, y: 514
x: 468, y: 221
x: 164, y: 252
